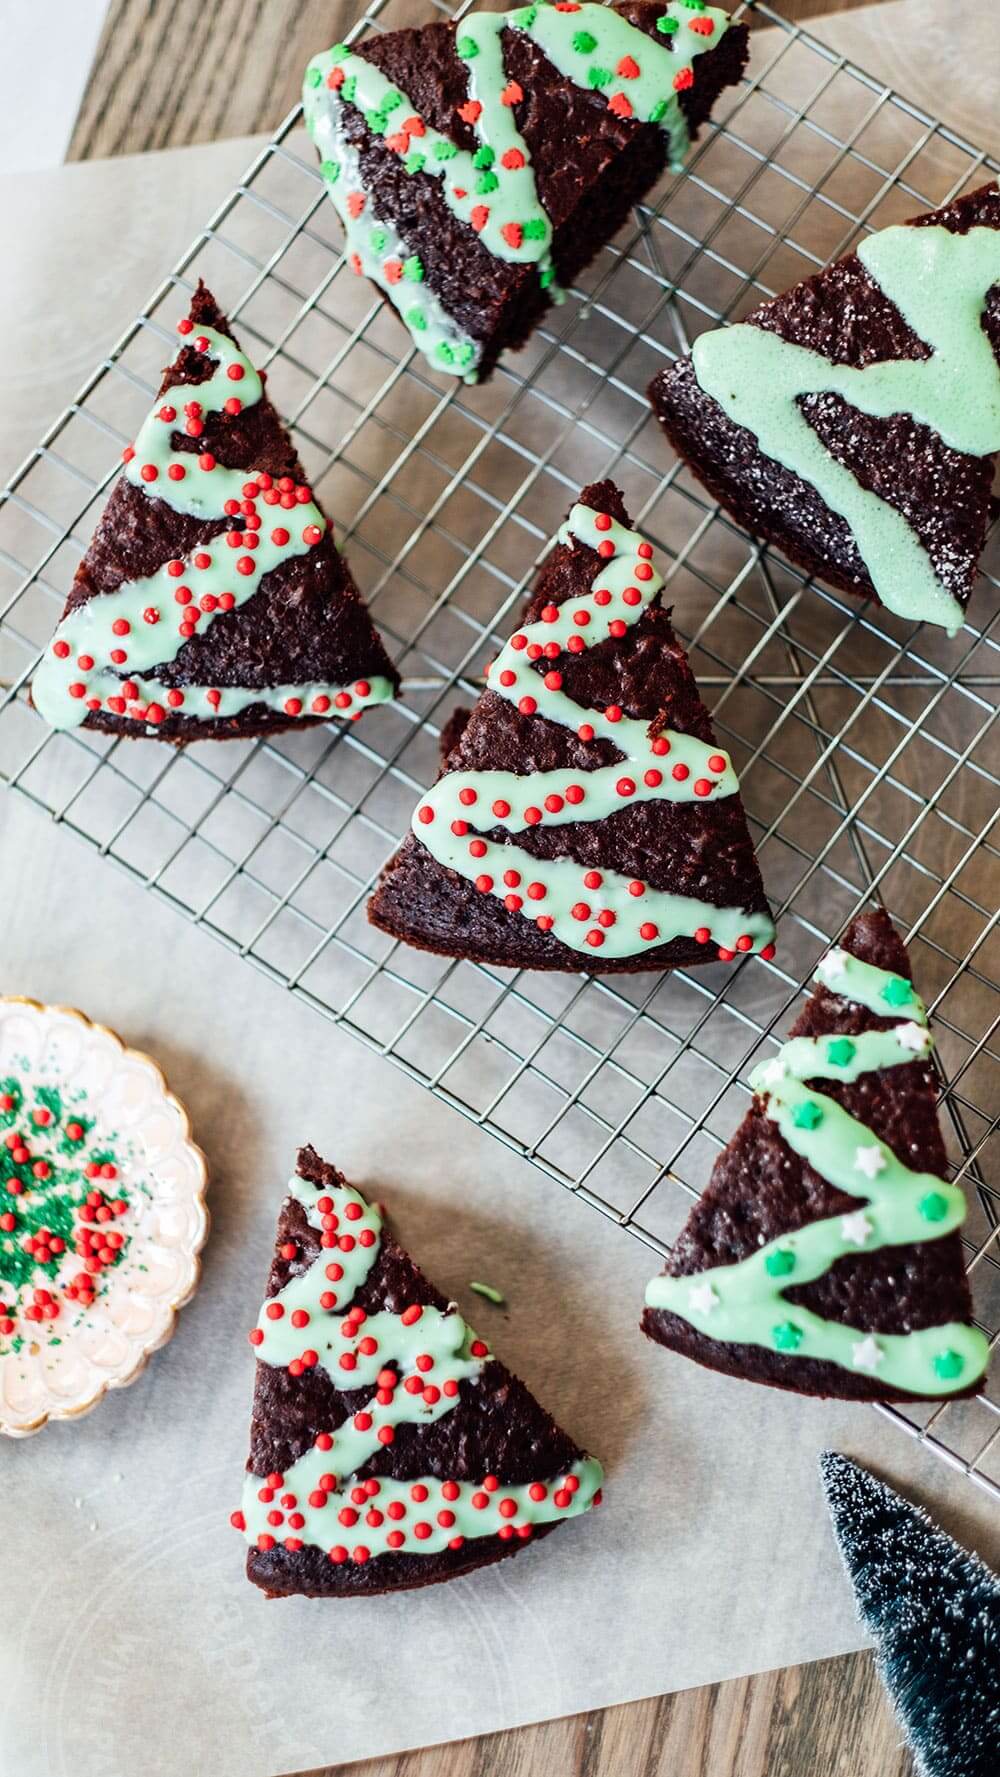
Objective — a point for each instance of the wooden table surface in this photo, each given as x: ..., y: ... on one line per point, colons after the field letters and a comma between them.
x: 156, y: 84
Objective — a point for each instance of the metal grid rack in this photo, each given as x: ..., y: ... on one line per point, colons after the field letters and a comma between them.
x: 864, y: 749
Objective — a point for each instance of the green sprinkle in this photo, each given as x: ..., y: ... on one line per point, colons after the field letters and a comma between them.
x: 378, y: 239
x: 377, y: 122
x: 840, y: 1051
x: 413, y: 269
x: 598, y: 76
x: 484, y: 156
x: 445, y: 352
x: 467, y: 47
x: 667, y: 25
x: 445, y: 150
x: 313, y: 76
x: 416, y: 319
x: 339, y: 50
x: 391, y: 101
x: 807, y: 1116
x: 486, y: 182
x: 897, y: 992
x: 492, y: 1295
x: 349, y: 88
x: 780, y: 1262
x: 694, y: 5
x: 535, y: 229
x: 465, y: 353
x: 659, y: 111
x: 933, y: 1207
x: 330, y: 170
x: 546, y: 276
x: 949, y: 1364
x: 584, y: 42
x: 523, y: 18
x: 787, y: 1336
x: 414, y: 163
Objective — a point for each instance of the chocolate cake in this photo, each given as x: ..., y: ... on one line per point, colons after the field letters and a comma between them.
x: 586, y: 817
x: 825, y: 1256
x: 853, y: 421
x: 212, y: 602
x: 389, y: 1448
x: 477, y: 167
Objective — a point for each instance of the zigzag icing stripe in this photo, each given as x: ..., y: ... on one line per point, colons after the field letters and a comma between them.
x: 745, y: 1303
x: 416, y: 1361
x: 102, y: 650
x: 589, y: 910
x: 493, y: 188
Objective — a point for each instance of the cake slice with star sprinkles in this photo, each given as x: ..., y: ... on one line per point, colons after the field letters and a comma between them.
x: 213, y: 602
x: 825, y: 1255
x: 389, y: 1448
x: 477, y: 167
x: 855, y: 420
x: 586, y: 816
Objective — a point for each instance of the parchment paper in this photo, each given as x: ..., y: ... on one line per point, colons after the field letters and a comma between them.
x: 130, y: 1639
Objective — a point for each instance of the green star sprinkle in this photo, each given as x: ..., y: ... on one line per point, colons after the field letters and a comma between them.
x: 584, y: 42
x: 445, y: 151
x: 313, y: 76
x: 378, y: 239
x: 948, y: 1365
x: 523, y: 18
x: 377, y: 122
x: 897, y: 992
x: 349, y: 88
x: 535, y: 229
x: 445, y: 352
x: 330, y: 170
x: 658, y: 112
x: 339, y: 50
x: 413, y: 269
x: 840, y: 1051
x: 787, y: 1336
x: 467, y: 47
x: 486, y: 182
x: 484, y: 156
x: 391, y: 101
x: 598, y: 76
x: 414, y: 162
x: 416, y: 319
x: 667, y: 25
x: 780, y: 1262
x: 807, y: 1116
x: 933, y: 1207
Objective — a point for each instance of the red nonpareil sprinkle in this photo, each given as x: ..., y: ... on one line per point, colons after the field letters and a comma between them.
x: 574, y: 793
x: 649, y: 931
x: 703, y: 786
x: 716, y: 762
x: 745, y: 942
x: 702, y: 935
x: 680, y: 772
x: 726, y: 956
x: 61, y: 650
x: 527, y: 706
x: 581, y: 618
x: 767, y: 953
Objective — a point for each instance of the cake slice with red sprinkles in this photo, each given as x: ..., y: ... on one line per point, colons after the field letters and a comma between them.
x: 389, y: 1448
x: 586, y: 817
x: 213, y: 602
x: 825, y: 1255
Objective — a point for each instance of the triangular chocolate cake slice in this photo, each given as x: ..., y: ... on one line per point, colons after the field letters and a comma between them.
x: 479, y: 166
x: 824, y: 1256
x: 853, y: 421
x: 212, y: 602
x: 389, y: 1448
x: 586, y: 817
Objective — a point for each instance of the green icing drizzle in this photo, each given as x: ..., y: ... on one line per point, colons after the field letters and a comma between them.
x: 939, y: 282
x: 744, y: 1303
x: 588, y: 910
x: 146, y: 622
x: 318, y: 1499
x: 493, y: 188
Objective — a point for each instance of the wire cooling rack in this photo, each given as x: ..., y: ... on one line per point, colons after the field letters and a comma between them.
x: 865, y: 749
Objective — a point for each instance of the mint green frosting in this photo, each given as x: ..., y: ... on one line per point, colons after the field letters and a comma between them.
x: 137, y: 627
x: 939, y: 282
x: 616, y: 915
x: 493, y: 187
x: 745, y: 1303
x: 319, y: 1500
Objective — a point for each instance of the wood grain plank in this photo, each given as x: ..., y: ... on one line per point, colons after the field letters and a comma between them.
x: 170, y: 74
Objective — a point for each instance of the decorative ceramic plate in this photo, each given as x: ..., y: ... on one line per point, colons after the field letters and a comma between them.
x: 102, y: 1213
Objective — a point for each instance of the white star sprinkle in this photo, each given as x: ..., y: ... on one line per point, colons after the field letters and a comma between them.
x: 913, y: 1036
x: 831, y: 967
x: 703, y: 1298
x: 855, y: 1228
x: 870, y: 1161
x: 867, y: 1354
